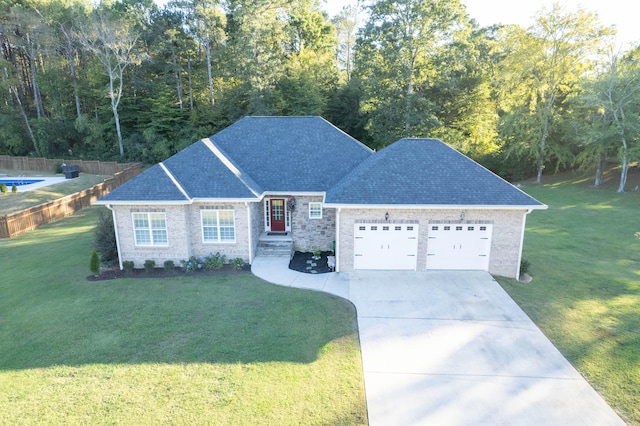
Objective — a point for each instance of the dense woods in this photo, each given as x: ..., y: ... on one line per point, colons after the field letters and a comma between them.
x: 129, y: 80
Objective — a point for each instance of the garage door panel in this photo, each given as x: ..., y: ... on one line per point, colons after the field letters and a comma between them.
x: 385, y: 246
x: 459, y: 246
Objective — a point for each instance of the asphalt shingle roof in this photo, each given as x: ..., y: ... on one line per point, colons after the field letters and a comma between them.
x: 151, y: 185
x: 307, y: 154
x: 425, y: 172
x: 203, y: 175
x: 291, y: 154
x: 252, y: 156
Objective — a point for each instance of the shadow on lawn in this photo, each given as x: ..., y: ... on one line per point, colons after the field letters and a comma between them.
x: 229, y: 320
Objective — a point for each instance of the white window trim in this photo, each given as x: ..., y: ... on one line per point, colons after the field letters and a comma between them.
x: 315, y: 204
x: 219, y: 240
x: 150, y: 229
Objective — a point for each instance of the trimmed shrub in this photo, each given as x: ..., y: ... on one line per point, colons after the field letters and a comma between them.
x: 237, y: 263
x: 525, y: 265
x: 3, y: 188
x: 214, y: 262
x: 149, y: 265
x: 169, y: 265
x: 127, y: 265
x: 105, y: 238
x: 14, y: 188
x: 94, y: 263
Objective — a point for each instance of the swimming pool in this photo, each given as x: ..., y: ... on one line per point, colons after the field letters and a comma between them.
x: 19, y: 182
x: 24, y: 184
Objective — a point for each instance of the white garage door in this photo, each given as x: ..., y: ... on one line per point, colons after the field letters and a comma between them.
x: 459, y: 246
x: 385, y: 246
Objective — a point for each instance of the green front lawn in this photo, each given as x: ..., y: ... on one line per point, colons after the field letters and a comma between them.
x: 231, y: 350
x: 585, y: 295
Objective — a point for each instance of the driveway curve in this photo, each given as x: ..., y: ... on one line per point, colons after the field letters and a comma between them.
x: 452, y: 348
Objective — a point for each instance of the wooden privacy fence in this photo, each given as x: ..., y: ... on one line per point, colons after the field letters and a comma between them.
x: 49, y: 165
x: 18, y: 223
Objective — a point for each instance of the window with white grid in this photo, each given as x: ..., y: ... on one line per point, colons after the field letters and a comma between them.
x: 315, y: 210
x: 150, y: 229
x: 218, y: 226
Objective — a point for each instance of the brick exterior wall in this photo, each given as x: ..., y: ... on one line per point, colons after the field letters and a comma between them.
x: 177, y: 235
x: 184, y: 233
x: 505, y: 241
x: 312, y: 234
x: 239, y: 248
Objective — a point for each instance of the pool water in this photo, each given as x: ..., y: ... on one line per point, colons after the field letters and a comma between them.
x: 19, y: 182
x: 30, y: 183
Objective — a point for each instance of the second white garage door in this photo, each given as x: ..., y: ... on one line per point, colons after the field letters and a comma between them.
x: 459, y: 246
x: 385, y: 246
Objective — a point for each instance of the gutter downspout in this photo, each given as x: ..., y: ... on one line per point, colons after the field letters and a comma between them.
x: 249, y: 232
x: 524, y: 222
x: 337, y: 239
x: 115, y: 227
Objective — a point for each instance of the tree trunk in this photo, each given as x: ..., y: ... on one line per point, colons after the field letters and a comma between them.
x: 34, y: 82
x: 209, y: 73
x: 26, y: 120
x: 407, y: 116
x: 624, y: 169
x: 118, y: 131
x: 190, y: 84
x: 599, y: 166
x: 115, y: 100
x: 72, y: 69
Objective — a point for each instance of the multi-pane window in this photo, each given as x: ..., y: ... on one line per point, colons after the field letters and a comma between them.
x: 218, y: 226
x: 150, y: 229
x: 315, y: 210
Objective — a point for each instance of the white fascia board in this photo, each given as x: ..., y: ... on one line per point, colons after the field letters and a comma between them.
x: 141, y: 203
x: 268, y: 194
x: 226, y: 200
x: 435, y: 206
x: 298, y: 193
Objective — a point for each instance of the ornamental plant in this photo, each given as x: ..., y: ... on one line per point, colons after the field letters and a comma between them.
x: 214, y: 262
x: 149, y: 265
x: 94, y: 263
x: 192, y: 264
x: 128, y: 265
x: 3, y: 188
x: 14, y: 188
x: 237, y: 263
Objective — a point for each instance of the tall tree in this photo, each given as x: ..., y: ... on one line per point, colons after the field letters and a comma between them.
x: 565, y: 42
x: 257, y: 49
x: 616, y: 93
x: 346, y: 23
x: 113, y: 42
x: 394, y: 55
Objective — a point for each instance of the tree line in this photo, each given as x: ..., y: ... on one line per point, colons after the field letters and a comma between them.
x: 129, y: 80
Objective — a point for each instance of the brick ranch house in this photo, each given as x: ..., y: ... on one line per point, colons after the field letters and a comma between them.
x: 417, y: 204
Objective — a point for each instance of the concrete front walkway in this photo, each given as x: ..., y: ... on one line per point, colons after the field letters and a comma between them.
x: 452, y: 348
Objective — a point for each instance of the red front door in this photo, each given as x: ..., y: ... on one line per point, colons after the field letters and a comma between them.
x: 277, y: 216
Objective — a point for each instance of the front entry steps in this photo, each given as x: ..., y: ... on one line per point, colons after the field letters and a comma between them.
x: 275, y: 245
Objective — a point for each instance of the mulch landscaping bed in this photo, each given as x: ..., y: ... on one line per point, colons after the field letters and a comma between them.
x: 112, y: 274
x: 304, y: 262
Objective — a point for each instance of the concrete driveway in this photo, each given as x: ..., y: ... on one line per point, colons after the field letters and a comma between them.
x: 452, y: 348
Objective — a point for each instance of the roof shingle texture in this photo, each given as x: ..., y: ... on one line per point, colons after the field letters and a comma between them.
x: 291, y: 154
x: 425, y: 172
x: 151, y: 185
